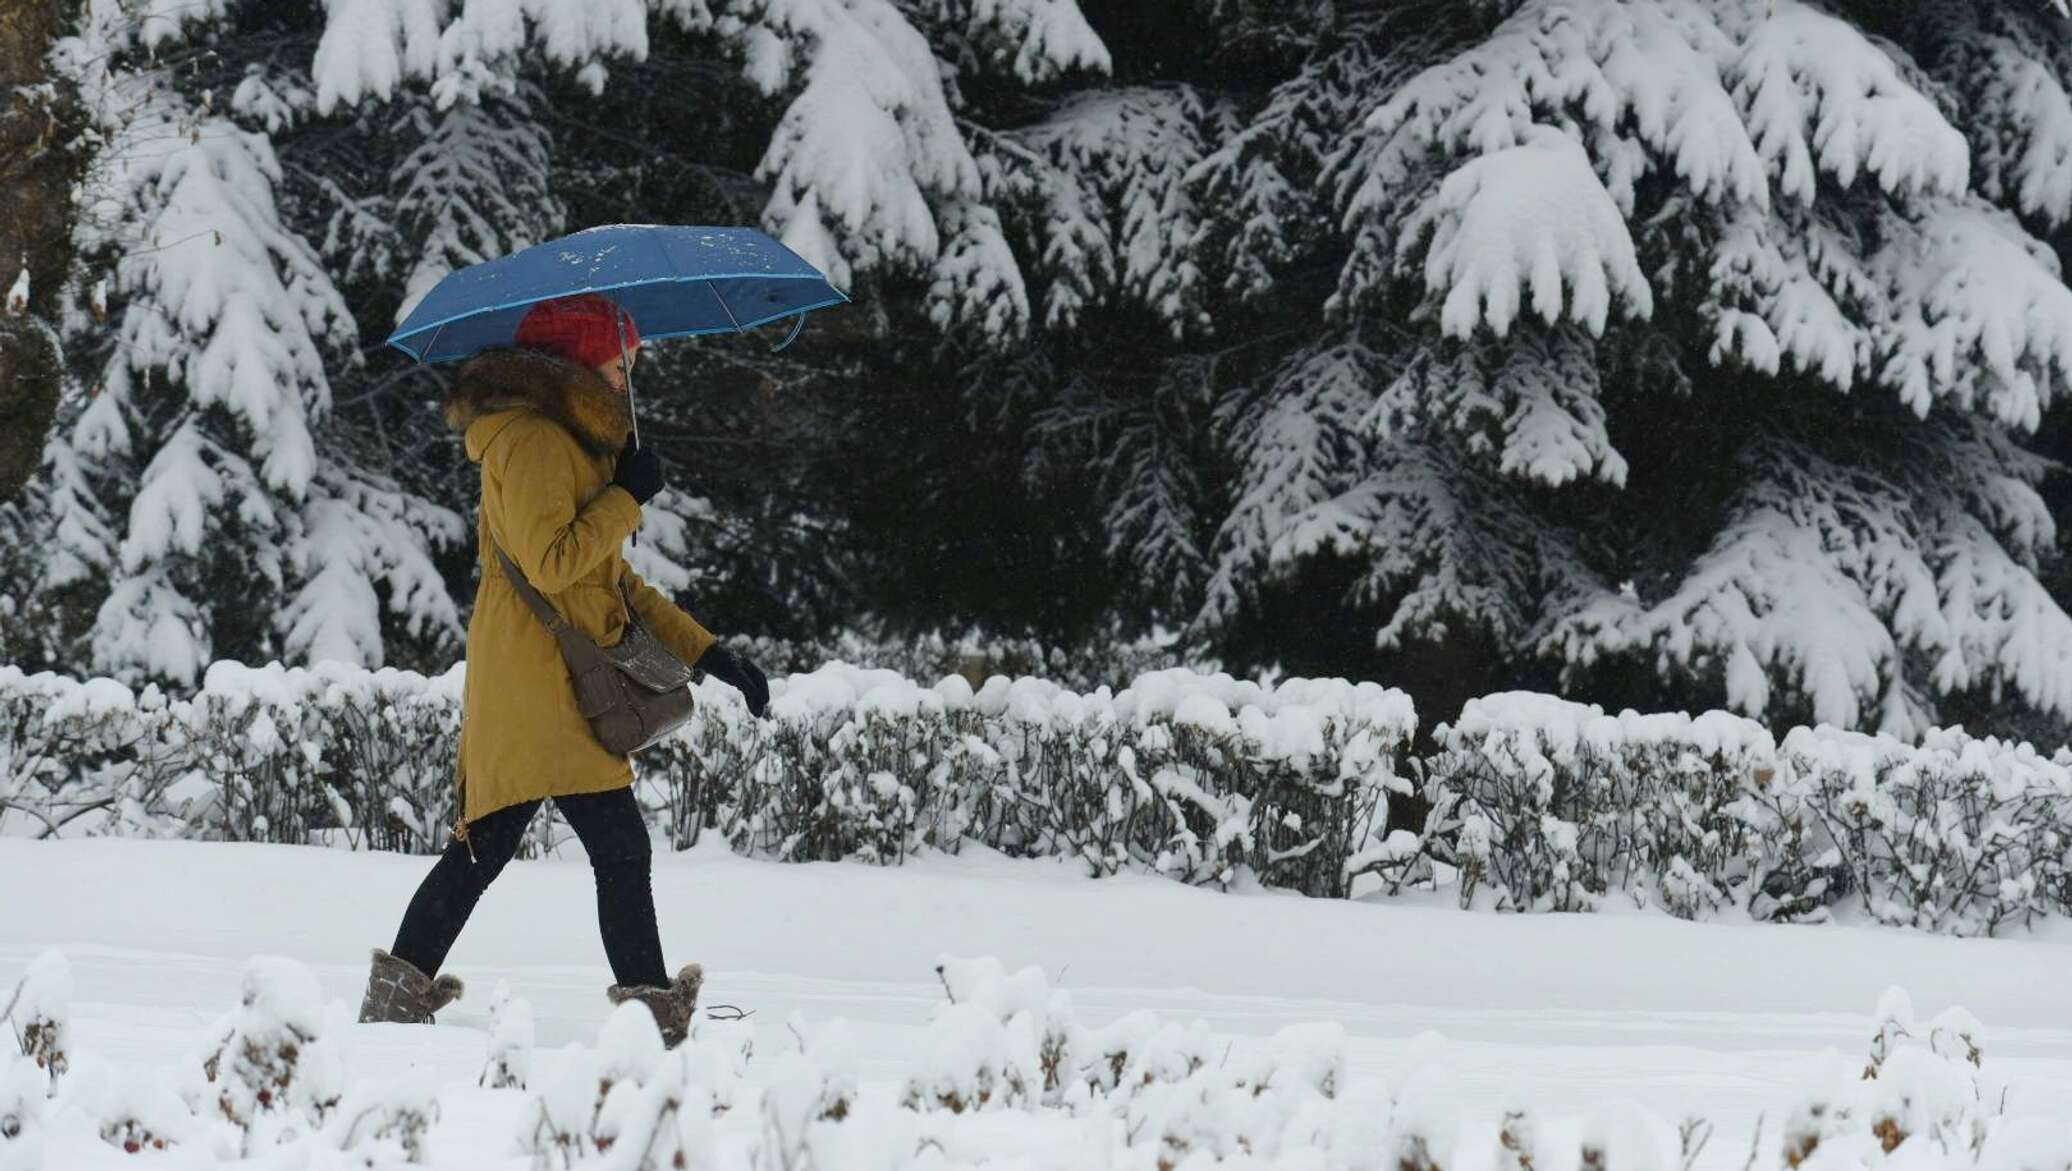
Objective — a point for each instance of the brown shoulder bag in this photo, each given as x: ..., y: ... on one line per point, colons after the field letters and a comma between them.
x: 633, y: 693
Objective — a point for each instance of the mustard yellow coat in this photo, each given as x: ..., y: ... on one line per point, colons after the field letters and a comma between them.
x: 546, y: 432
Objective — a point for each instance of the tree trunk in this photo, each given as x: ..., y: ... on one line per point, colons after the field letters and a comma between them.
x: 40, y: 159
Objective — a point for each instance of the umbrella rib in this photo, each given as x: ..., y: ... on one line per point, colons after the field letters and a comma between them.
x: 723, y: 305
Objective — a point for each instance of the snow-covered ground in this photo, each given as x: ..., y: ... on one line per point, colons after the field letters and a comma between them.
x: 1560, y: 1013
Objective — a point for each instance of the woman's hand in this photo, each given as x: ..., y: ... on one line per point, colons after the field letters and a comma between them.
x: 639, y: 473
x: 740, y: 674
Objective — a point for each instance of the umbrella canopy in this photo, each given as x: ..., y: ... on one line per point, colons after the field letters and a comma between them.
x: 674, y: 281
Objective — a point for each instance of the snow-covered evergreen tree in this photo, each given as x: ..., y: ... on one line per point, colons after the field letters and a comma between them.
x: 1597, y: 212
x: 1677, y: 352
x: 192, y: 476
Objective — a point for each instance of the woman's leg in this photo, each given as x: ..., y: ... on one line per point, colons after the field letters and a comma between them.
x: 615, y: 835
x: 448, y: 895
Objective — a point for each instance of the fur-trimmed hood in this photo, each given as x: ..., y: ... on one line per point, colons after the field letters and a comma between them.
x: 572, y: 395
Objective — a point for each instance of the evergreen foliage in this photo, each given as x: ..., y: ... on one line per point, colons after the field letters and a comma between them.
x: 1670, y: 352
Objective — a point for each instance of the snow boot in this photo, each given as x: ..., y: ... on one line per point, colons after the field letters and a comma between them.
x: 397, y: 993
x: 672, y: 1006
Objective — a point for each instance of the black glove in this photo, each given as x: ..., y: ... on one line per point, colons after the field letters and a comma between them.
x: 739, y: 674
x: 639, y: 473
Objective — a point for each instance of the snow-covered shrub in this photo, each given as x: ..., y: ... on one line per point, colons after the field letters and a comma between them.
x: 139, y: 1112
x: 1537, y: 803
x: 1195, y: 776
x: 717, y: 1057
x: 1922, y: 1094
x: 628, y: 1105
x: 659, y: 1124
x: 1958, y: 834
x: 39, y: 1011
x: 1555, y: 805
x: 86, y: 756
x: 1625, y: 1135
x: 860, y: 764
x: 1518, y: 1142
x: 972, y: 1060
x: 270, y: 1072
x: 1426, y: 1121
x: 1269, y: 1100
x: 1007, y: 1040
x: 365, y: 756
x: 23, y: 1104
x: 256, y: 754
x: 382, y: 1124
x: 510, y: 1041
x: 557, y: 1126
x: 584, y: 1099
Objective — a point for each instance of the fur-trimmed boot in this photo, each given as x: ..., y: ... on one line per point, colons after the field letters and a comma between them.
x: 672, y: 1006
x: 397, y: 993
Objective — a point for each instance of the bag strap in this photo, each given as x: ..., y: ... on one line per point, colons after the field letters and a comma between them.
x: 576, y: 647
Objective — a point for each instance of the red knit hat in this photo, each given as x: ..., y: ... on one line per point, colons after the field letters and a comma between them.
x: 580, y: 328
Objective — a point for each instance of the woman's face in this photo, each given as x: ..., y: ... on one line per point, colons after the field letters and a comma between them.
x: 615, y: 373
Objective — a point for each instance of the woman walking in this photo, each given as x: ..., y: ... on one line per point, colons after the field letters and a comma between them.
x: 548, y: 421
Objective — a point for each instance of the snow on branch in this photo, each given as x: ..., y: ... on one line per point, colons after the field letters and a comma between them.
x: 1652, y: 71
x: 1830, y: 574
x: 1038, y: 41
x: 475, y: 187
x: 223, y: 296
x: 1978, y: 313
x: 1108, y: 180
x: 866, y: 142
x: 1446, y: 546
x: 977, y: 280
x: 2009, y: 71
x: 1534, y: 400
x: 1819, y: 96
x: 1770, y: 302
x: 369, y: 47
x: 1303, y: 444
x: 1528, y: 219
x: 1770, y: 601
x: 359, y: 537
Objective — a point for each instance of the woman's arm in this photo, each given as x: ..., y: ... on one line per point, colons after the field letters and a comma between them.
x: 540, y: 525
x: 666, y: 620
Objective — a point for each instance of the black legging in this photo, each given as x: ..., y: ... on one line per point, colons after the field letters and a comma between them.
x: 614, y: 834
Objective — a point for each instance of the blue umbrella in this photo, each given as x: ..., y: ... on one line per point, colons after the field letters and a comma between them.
x: 673, y: 281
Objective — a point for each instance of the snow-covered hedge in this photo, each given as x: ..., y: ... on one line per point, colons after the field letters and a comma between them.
x: 1006, y: 1074
x: 258, y: 754
x: 1195, y: 776
x: 1537, y: 803
x: 1554, y: 805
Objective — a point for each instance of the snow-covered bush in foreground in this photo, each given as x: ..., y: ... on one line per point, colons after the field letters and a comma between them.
x: 271, y: 1073
x: 1009, y: 1076
x: 39, y: 1011
x: 510, y: 1041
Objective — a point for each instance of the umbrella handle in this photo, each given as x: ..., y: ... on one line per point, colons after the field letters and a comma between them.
x: 626, y: 368
x: 797, y: 323
x: 632, y: 411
